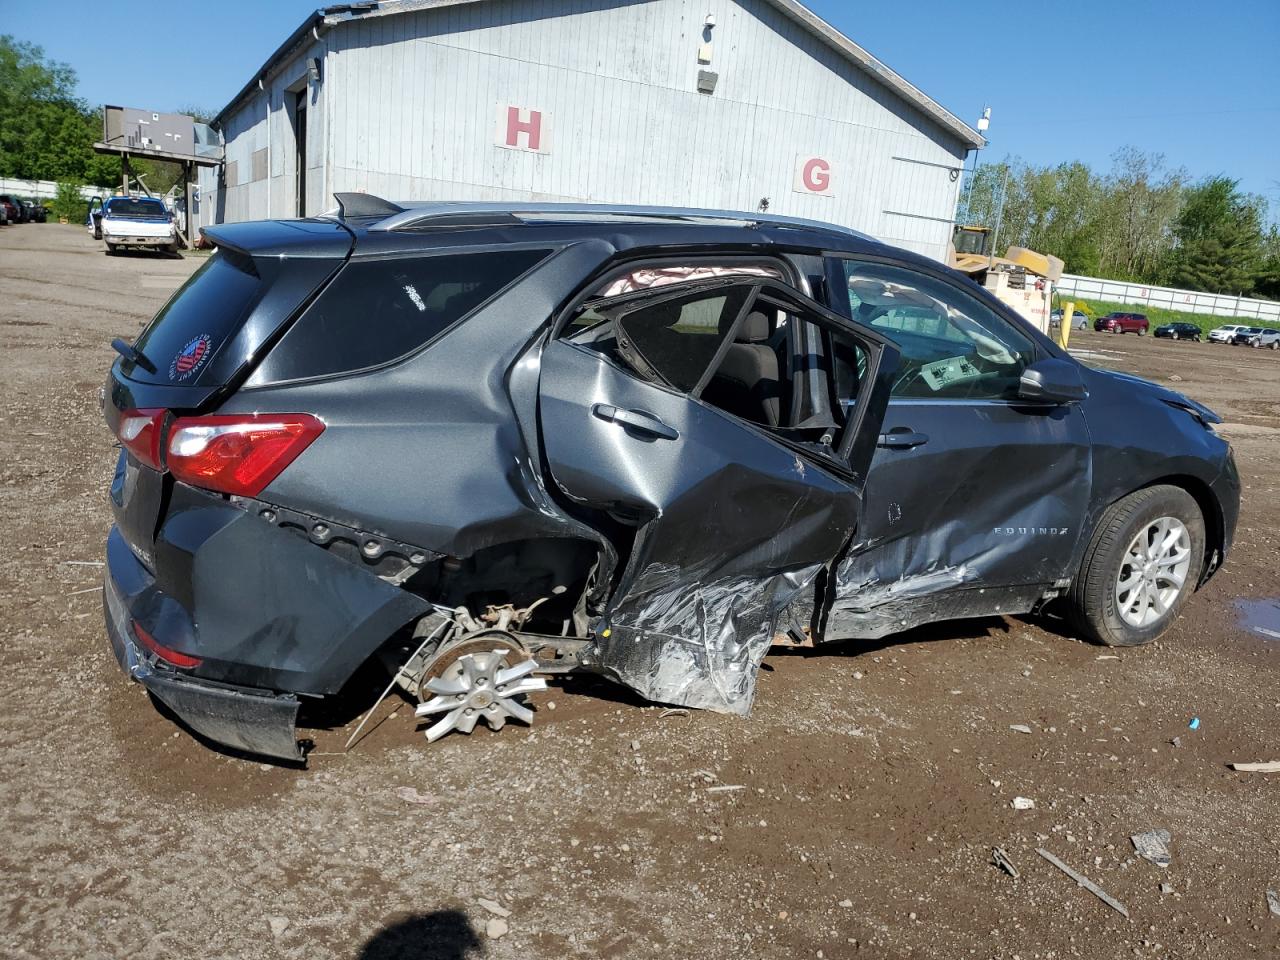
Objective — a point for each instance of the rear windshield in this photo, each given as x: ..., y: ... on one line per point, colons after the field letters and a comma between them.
x: 376, y: 311
x: 152, y: 209
x: 205, y: 312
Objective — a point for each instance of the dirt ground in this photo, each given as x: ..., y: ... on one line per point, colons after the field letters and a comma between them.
x: 875, y: 779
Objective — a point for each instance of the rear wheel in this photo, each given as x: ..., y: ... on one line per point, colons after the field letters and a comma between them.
x: 1142, y: 563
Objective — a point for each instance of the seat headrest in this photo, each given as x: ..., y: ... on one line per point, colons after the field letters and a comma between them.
x: 754, y: 329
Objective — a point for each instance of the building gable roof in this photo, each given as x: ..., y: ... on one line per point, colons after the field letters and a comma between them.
x: 793, y: 9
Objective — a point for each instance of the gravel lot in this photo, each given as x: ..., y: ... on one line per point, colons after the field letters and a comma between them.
x: 875, y: 777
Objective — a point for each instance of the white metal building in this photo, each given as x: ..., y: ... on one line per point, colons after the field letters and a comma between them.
x: 706, y: 103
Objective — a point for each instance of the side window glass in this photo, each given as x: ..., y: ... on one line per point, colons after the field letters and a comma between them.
x: 676, y: 340
x: 376, y: 311
x: 652, y: 277
x: 952, y: 345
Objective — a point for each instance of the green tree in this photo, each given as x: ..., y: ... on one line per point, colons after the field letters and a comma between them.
x: 1220, y: 245
x: 46, y: 133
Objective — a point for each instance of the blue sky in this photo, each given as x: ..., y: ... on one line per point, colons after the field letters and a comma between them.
x: 1196, y: 81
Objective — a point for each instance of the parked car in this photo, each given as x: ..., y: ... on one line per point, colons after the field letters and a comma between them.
x: 1078, y: 320
x: 136, y: 222
x: 14, y: 211
x: 615, y: 440
x: 1123, y: 323
x: 1225, y: 333
x: 36, y: 211
x: 1179, y: 331
x: 1257, y: 337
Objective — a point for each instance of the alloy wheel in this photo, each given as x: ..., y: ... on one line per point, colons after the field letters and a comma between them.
x: 1153, y: 571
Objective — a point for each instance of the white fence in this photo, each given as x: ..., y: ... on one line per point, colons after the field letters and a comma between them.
x: 44, y: 189
x: 1188, y: 301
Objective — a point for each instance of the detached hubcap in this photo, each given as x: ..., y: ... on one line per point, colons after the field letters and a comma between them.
x: 1153, y: 571
x: 479, y: 686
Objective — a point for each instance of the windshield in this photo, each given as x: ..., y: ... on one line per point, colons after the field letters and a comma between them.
x: 125, y: 207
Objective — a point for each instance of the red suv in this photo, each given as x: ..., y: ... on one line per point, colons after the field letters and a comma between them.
x: 1123, y: 323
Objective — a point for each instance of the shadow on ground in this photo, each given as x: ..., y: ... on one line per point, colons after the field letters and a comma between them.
x: 440, y: 935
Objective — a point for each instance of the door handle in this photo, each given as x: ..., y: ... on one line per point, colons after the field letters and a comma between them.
x: 636, y: 420
x: 901, y: 438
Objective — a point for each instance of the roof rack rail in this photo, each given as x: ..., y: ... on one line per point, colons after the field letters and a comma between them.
x: 419, y: 216
x: 364, y: 205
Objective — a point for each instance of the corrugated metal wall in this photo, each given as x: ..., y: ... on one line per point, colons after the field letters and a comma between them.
x: 413, y: 101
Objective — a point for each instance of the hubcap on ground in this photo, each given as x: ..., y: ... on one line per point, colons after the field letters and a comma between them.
x: 1153, y: 571
x: 479, y: 686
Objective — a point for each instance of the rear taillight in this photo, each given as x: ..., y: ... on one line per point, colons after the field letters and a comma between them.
x: 139, y: 431
x: 163, y: 652
x: 237, y: 454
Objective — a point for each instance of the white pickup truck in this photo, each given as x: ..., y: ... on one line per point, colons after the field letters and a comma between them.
x: 133, y: 222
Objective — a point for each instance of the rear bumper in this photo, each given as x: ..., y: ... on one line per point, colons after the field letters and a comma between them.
x: 255, y: 721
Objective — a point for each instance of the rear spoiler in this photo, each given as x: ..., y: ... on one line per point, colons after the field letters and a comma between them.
x: 309, y: 239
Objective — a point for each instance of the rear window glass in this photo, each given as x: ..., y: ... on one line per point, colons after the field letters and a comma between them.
x: 377, y: 311
x: 207, y: 310
x: 136, y: 208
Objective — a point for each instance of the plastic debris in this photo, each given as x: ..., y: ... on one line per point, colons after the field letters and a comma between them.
x: 1023, y: 803
x: 1019, y: 727
x: 1153, y: 846
x: 494, y: 907
x: 1001, y: 860
x: 1269, y: 766
x: 1273, y: 903
x: 1085, y: 882
x: 725, y: 788
x: 411, y: 795
x: 1194, y: 724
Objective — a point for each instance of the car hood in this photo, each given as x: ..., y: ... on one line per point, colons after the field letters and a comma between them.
x: 1162, y: 393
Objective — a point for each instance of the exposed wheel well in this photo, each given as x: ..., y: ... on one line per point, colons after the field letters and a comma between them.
x: 1210, y: 509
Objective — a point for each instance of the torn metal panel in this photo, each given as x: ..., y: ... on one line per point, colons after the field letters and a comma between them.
x: 977, y: 520
x: 696, y: 644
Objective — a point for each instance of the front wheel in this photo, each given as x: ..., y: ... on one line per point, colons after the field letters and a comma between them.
x: 111, y: 249
x: 1142, y: 563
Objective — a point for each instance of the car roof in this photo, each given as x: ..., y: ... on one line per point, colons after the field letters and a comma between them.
x: 380, y: 227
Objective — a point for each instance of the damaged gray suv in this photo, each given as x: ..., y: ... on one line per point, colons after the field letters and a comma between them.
x: 479, y: 444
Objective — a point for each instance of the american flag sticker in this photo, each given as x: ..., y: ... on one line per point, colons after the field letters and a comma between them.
x: 190, y: 358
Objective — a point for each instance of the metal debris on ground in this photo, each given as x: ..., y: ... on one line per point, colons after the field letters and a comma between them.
x: 673, y: 712
x: 1001, y: 860
x: 1273, y: 903
x: 1153, y: 846
x: 1085, y: 882
x: 1268, y: 766
x: 1023, y: 803
x: 1020, y: 727
x: 725, y: 788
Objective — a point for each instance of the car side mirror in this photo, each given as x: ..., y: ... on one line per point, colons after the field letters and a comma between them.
x: 1052, y: 381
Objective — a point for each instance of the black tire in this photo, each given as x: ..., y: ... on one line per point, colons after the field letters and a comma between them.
x: 111, y: 249
x: 1092, y: 597
x: 1175, y: 335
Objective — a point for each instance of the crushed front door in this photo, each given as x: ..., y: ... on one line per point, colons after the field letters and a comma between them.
x: 722, y: 521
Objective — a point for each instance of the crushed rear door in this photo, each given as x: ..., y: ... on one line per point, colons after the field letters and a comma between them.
x: 731, y: 520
